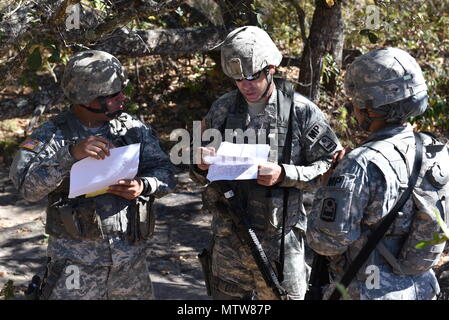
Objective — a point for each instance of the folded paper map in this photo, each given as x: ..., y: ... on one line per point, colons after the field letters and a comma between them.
x: 237, y: 161
x: 92, y: 177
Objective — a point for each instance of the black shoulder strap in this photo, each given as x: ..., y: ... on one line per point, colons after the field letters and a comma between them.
x: 385, y: 224
x: 286, y: 114
x: 285, y: 101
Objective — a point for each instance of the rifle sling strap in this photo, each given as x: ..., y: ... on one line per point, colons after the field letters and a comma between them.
x: 240, y: 220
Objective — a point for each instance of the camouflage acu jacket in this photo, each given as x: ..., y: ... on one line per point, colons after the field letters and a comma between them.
x: 312, y: 145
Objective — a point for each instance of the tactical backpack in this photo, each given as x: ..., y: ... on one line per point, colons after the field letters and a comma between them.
x: 430, y: 197
x: 428, y: 186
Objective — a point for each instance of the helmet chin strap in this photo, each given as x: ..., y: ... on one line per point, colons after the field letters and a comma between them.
x: 366, y: 123
x: 270, y: 81
x: 104, y: 109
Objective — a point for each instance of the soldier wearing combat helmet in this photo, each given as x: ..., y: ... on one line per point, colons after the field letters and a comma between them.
x: 381, y: 201
x: 301, y: 150
x: 101, y: 239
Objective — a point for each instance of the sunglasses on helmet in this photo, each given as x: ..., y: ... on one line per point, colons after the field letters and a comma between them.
x: 112, y: 96
x: 254, y: 76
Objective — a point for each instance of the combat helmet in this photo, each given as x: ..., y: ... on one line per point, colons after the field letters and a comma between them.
x: 387, y: 81
x: 93, y: 74
x: 246, y: 51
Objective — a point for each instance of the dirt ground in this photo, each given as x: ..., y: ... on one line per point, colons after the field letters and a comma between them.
x: 182, y: 231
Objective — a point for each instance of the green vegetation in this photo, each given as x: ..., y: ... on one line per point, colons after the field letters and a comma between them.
x: 8, y: 147
x: 8, y: 290
x: 437, y: 237
x: 343, y: 291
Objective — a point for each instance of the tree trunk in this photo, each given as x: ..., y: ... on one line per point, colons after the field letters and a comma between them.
x: 326, y: 36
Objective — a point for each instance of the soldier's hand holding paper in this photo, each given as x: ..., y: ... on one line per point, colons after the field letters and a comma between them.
x: 90, y: 175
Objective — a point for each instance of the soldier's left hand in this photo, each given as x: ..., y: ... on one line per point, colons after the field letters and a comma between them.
x: 127, y: 188
x: 338, y: 156
x: 269, y: 174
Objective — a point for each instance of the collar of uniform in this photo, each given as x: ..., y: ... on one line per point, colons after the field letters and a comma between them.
x: 88, y: 131
x: 392, y: 131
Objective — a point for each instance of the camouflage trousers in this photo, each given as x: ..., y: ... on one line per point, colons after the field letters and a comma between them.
x: 82, y: 282
x: 236, y: 276
x: 78, y: 277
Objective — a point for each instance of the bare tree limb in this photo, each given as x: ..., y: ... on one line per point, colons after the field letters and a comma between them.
x: 136, y: 9
x: 36, y: 101
x: 137, y: 43
x: 301, y: 18
x: 13, y: 67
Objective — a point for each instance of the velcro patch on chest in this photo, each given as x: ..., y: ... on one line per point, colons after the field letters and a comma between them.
x: 327, y: 143
x: 343, y: 181
x: 30, y: 144
x: 329, y: 210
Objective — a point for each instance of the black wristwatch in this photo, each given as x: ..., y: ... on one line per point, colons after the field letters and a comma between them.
x: 146, y: 186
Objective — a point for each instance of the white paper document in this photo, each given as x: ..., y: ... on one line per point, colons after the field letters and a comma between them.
x: 237, y: 161
x: 90, y: 175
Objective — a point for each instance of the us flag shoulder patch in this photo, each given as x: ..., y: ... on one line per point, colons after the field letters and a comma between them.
x: 30, y: 144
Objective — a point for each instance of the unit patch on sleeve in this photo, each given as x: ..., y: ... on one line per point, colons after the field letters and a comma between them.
x: 327, y: 144
x: 329, y: 210
x: 30, y: 144
x: 315, y: 132
x: 345, y: 181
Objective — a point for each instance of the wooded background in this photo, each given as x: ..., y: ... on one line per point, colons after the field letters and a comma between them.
x: 175, y: 74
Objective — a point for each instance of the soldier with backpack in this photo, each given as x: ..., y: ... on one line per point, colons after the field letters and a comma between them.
x: 384, y: 197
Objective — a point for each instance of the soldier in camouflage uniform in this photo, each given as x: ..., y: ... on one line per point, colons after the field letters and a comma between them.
x: 250, y: 57
x: 386, y: 87
x: 97, y: 245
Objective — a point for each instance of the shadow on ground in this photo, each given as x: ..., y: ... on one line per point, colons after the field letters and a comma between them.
x: 182, y: 230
